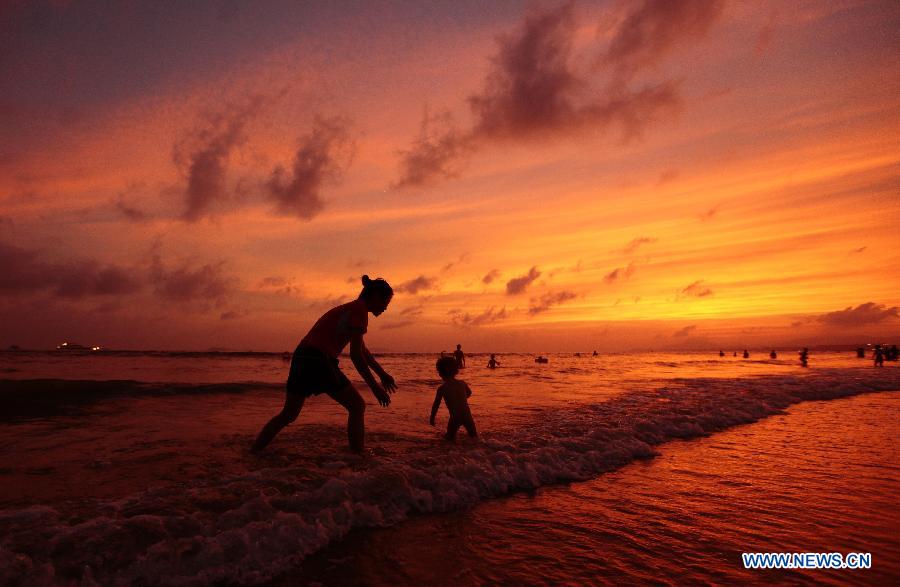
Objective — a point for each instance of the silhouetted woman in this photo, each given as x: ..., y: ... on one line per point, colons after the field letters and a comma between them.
x: 314, y: 367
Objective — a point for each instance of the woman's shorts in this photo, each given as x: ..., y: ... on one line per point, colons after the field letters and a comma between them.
x: 313, y: 372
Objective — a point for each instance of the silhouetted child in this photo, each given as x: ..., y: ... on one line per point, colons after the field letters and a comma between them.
x: 879, y: 356
x: 493, y: 362
x: 455, y: 393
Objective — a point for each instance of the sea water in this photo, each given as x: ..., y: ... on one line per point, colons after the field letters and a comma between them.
x: 134, y: 467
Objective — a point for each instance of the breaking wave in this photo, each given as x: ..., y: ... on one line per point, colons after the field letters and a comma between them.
x: 251, y: 527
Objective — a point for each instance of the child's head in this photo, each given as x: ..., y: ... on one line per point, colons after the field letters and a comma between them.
x: 446, y: 368
x: 376, y: 293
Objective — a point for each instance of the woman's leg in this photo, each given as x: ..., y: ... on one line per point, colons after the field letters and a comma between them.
x: 452, y: 428
x: 292, y: 405
x: 348, y: 397
x: 469, y: 424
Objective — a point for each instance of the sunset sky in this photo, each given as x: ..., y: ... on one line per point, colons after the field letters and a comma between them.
x: 529, y: 176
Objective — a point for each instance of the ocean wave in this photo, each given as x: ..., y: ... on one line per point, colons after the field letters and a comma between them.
x: 25, y: 399
x: 252, y: 527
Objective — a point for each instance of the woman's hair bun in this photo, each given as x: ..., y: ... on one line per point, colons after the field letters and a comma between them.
x: 366, y: 280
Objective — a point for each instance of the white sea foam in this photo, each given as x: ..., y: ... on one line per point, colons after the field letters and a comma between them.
x: 250, y: 527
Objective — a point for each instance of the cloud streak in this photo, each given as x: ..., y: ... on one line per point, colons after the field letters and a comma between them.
x: 535, y: 90
x: 547, y: 301
x: 519, y: 284
x: 420, y: 283
x: 322, y: 156
x: 22, y: 271
x: 205, y: 154
x: 862, y: 315
x: 697, y: 290
x: 619, y: 273
x: 489, y: 316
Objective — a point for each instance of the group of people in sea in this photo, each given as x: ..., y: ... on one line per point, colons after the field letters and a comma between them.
x: 880, y: 354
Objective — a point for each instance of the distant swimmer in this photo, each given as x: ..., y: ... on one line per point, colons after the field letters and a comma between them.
x: 773, y: 354
x: 541, y: 359
x: 455, y: 393
x: 493, y: 362
x: 878, y: 356
x: 314, y: 366
x: 804, y: 357
x: 577, y: 354
x: 721, y: 353
x: 460, y: 357
x: 595, y: 353
x: 746, y: 354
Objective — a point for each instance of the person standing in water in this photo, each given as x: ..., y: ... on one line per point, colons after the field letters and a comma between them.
x: 460, y: 357
x: 314, y: 366
x: 878, y: 356
x: 804, y: 357
x: 493, y: 362
x: 773, y: 354
x: 746, y: 354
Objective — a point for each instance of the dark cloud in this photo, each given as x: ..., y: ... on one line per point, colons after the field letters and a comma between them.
x: 435, y: 154
x: 489, y: 316
x: 322, y: 156
x: 21, y: 270
x: 686, y: 331
x: 655, y: 27
x: 490, y: 276
x: 530, y: 87
x: 635, y: 244
x: 534, y: 89
x: 519, y: 284
x: 863, y: 314
x: 547, y: 301
x: 187, y: 283
x: 697, y: 290
x: 205, y: 153
x: 620, y: 273
x: 420, y: 283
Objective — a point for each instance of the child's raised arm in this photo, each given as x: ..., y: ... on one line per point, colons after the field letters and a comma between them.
x: 437, y: 403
